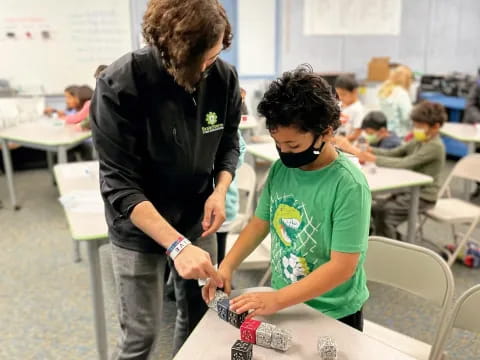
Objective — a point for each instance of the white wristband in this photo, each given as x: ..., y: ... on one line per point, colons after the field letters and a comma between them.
x: 182, y: 244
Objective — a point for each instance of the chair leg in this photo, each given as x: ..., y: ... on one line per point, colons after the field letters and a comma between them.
x: 265, y: 277
x: 459, y: 246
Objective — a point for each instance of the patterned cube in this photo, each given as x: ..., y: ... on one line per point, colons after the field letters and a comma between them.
x: 236, y: 319
x: 223, y: 308
x: 327, y: 348
x: 264, y: 334
x: 281, y: 339
x: 219, y: 295
x: 242, y: 350
x: 248, y: 330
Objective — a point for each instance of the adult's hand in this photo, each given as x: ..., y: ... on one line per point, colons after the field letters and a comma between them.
x: 195, y: 263
x: 214, y: 214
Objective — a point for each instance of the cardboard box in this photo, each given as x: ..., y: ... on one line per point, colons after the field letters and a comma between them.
x: 378, y: 69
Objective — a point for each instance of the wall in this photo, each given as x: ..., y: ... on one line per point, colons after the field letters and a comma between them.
x: 436, y: 36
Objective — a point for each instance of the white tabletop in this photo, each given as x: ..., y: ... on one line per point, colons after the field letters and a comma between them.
x: 47, y: 132
x: 78, y: 177
x: 213, y: 338
x: 461, y: 132
x: 248, y: 122
x: 384, y: 179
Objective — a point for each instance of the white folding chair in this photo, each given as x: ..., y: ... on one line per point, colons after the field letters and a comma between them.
x: 455, y: 211
x: 416, y: 270
x: 465, y: 315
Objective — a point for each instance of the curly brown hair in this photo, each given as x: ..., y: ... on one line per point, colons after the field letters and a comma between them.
x: 430, y: 113
x: 183, y: 30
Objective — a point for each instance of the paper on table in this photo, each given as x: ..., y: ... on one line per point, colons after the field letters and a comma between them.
x: 83, y: 201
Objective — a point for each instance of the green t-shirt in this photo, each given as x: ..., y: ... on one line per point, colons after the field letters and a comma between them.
x: 312, y: 213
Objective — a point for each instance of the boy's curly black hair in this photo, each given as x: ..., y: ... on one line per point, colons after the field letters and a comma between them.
x: 303, y: 99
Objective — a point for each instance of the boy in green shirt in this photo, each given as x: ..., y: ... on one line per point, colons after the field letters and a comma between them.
x: 315, y: 204
x: 424, y: 154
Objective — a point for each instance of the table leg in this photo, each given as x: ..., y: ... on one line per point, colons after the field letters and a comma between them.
x: 7, y: 163
x: 97, y: 297
x: 62, y: 155
x: 413, y: 214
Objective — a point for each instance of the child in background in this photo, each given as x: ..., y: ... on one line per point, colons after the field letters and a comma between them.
x: 424, y: 154
x: 374, y: 126
x: 85, y: 123
x: 352, y: 109
x: 71, y: 102
x: 395, y: 100
x: 231, y: 206
x: 315, y: 204
x: 244, y: 109
x: 84, y: 94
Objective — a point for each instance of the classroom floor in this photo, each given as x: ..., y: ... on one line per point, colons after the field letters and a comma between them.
x: 45, y: 302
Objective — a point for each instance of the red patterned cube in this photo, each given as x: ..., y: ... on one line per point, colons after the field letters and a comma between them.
x: 248, y: 330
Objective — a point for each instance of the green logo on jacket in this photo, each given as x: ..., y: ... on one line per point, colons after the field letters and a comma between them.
x: 211, y: 120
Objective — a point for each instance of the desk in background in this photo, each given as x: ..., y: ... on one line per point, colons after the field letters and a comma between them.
x: 384, y: 180
x: 42, y: 135
x: 91, y: 228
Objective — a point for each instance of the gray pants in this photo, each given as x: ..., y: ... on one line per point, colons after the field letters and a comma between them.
x: 139, y: 279
x: 388, y: 213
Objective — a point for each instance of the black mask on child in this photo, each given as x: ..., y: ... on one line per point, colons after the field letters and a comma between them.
x: 299, y: 159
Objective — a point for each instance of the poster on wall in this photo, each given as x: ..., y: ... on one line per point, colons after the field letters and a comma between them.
x: 352, y: 17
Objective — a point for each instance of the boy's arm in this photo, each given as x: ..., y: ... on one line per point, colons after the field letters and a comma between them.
x: 400, y: 151
x: 248, y: 240
x: 426, y: 153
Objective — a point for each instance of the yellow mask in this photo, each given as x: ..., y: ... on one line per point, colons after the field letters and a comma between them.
x: 419, y: 134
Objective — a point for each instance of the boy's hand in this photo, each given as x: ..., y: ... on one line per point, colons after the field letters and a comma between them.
x: 225, y: 275
x: 262, y: 303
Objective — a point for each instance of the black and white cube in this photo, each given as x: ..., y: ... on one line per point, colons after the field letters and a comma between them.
x: 327, y: 348
x: 236, y: 319
x: 219, y: 295
x: 264, y: 334
x: 223, y: 308
x: 281, y: 339
x: 242, y: 350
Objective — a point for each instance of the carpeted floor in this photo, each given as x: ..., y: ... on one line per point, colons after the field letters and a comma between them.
x: 45, y: 302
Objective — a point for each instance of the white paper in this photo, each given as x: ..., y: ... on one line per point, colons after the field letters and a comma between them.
x: 352, y: 17
x: 83, y: 201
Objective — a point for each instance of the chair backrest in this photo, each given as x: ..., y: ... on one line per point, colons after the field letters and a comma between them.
x: 409, y: 267
x: 412, y: 268
x: 467, y: 168
x: 465, y: 315
x: 246, y: 181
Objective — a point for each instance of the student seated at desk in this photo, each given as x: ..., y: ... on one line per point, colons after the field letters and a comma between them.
x: 375, y: 127
x: 352, y: 109
x: 424, y: 154
x: 315, y: 204
x: 71, y: 101
x: 395, y: 100
x: 83, y: 94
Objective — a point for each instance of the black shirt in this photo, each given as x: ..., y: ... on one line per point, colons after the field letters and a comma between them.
x: 157, y: 142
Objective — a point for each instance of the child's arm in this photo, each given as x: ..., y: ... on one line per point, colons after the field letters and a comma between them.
x: 425, y: 154
x: 330, y: 275
x: 248, y: 240
x: 399, y: 151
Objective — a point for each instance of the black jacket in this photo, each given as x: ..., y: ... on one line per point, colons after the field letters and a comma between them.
x: 157, y: 142
x: 472, y: 110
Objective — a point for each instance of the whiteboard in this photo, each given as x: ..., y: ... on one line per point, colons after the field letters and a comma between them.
x: 352, y: 17
x: 53, y: 44
x: 256, y: 37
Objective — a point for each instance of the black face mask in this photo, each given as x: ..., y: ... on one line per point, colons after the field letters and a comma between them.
x: 299, y: 159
